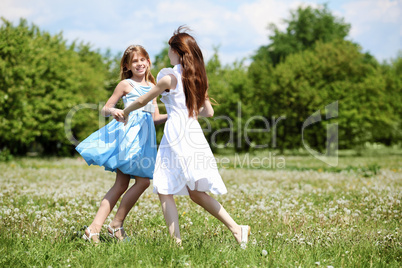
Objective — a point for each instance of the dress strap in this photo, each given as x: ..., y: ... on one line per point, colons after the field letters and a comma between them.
x: 131, y: 82
x: 135, y: 86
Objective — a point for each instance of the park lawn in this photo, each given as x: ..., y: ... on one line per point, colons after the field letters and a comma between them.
x: 303, y: 214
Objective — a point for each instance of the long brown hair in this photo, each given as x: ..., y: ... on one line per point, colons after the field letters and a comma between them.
x: 127, y: 60
x: 194, y: 75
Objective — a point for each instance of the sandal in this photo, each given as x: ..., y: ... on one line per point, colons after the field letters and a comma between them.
x: 112, y: 233
x: 89, y: 237
x: 245, y: 232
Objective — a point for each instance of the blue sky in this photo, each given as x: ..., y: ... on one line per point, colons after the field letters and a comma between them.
x: 237, y: 27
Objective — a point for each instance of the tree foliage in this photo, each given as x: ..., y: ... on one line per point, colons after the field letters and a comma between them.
x: 337, y: 71
x: 228, y: 85
x: 304, y: 69
x: 41, y: 80
x: 309, y: 66
x: 305, y: 27
x: 161, y: 60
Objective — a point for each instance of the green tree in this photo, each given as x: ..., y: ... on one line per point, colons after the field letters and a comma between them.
x: 161, y: 61
x: 308, y: 81
x: 230, y: 86
x: 290, y: 80
x: 305, y: 27
x: 41, y: 80
x: 392, y: 84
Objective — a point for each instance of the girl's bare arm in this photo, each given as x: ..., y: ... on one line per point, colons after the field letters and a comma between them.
x: 167, y: 82
x: 158, y: 118
x: 119, y: 92
x: 206, y: 110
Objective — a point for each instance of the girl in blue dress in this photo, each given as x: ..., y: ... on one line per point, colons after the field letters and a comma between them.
x: 127, y: 149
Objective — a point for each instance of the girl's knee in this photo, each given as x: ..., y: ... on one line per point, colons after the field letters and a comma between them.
x: 143, y: 182
x: 122, y: 181
x: 165, y: 198
x: 121, y: 187
x: 195, y: 196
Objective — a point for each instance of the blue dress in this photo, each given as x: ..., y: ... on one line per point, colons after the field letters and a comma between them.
x: 131, y: 148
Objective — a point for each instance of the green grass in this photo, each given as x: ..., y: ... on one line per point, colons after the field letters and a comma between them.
x: 305, y: 214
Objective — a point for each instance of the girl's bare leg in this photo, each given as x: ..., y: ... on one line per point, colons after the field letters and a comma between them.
x: 217, y: 210
x: 127, y: 202
x: 108, y: 202
x: 171, y: 216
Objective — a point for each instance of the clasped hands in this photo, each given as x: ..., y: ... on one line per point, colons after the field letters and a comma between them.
x: 119, y: 115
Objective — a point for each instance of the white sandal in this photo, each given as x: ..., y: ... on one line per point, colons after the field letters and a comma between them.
x: 245, y: 232
x: 89, y: 238
x: 112, y: 232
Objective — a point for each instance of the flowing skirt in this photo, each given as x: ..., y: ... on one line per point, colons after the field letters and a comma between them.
x: 130, y: 148
x: 185, y: 160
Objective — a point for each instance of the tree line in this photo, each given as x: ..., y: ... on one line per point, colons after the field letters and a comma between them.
x: 266, y: 103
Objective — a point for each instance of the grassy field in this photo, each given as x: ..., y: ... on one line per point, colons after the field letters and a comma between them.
x: 303, y: 214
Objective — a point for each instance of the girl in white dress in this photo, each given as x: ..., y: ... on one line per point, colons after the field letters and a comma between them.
x: 185, y: 164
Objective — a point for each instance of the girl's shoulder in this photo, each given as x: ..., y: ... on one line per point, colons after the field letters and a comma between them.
x: 124, y: 85
x: 172, y: 84
x: 132, y: 83
x: 168, y: 71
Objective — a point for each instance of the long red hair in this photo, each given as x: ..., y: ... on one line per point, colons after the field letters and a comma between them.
x: 194, y: 75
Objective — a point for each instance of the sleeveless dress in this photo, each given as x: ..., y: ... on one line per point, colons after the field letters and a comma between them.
x: 131, y: 148
x: 184, y: 157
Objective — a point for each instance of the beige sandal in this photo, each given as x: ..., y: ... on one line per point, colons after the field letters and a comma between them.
x: 89, y: 237
x: 112, y: 233
x: 245, y: 232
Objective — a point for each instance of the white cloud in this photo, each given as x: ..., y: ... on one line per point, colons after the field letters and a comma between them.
x: 237, y: 31
x: 363, y: 14
x: 14, y: 9
x: 264, y: 12
x: 237, y: 27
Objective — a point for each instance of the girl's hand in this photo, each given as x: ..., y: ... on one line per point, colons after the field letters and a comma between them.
x: 125, y: 115
x: 117, y: 114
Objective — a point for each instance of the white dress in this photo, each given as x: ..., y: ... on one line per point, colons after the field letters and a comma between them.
x: 184, y: 158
